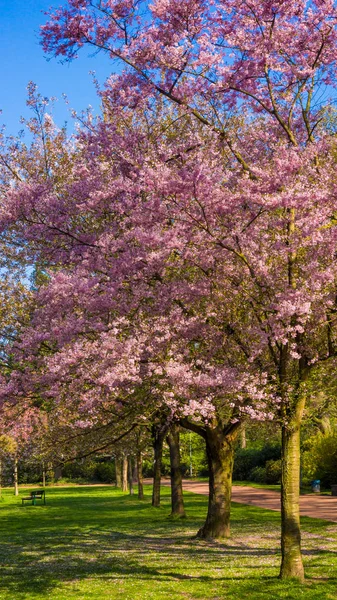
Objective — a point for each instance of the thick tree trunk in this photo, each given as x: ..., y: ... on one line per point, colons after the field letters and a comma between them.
x: 292, y: 565
x: 158, y: 436
x: 177, y: 500
x: 125, y: 474
x: 118, y: 469
x: 16, y: 485
x: 140, y: 476
x: 220, y: 456
x: 130, y: 476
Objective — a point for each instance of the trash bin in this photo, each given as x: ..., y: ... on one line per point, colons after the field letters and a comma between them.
x: 334, y: 489
x: 316, y: 485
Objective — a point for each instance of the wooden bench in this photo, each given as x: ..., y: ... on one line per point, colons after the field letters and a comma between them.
x: 35, y: 495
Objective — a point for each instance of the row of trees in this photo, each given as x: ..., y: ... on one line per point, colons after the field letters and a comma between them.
x: 183, y: 244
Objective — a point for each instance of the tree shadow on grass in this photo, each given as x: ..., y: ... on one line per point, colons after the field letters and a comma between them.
x: 90, y: 534
x: 40, y: 567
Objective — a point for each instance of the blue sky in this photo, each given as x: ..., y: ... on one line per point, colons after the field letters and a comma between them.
x: 23, y: 60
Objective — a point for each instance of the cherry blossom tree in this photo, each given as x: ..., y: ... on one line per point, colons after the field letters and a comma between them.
x: 265, y: 60
x: 98, y: 330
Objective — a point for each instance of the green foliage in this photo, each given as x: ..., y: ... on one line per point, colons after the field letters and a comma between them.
x: 90, y: 470
x: 258, y: 474
x: 147, y: 467
x: 273, y: 471
x: 193, y: 453
x: 80, y: 470
x: 105, y: 472
x: 257, y: 464
x: 28, y: 473
x: 319, y: 459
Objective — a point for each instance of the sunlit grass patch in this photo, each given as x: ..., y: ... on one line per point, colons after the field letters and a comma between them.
x: 97, y: 543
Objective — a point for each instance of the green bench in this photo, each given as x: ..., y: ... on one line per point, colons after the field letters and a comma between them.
x: 35, y: 495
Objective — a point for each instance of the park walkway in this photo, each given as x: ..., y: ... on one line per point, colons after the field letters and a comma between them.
x: 311, y: 505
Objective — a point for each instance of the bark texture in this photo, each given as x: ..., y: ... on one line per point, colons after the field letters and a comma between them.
x: 243, y: 439
x: 118, y: 468
x: 158, y: 436
x: 220, y: 456
x: 130, y: 475
x: 177, y: 499
x: 291, y: 565
x: 140, y: 476
x: 125, y: 474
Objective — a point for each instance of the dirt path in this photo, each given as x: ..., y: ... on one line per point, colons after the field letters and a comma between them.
x: 317, y: 506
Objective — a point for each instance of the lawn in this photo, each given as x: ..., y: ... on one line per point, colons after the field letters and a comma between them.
x: 97, y: 543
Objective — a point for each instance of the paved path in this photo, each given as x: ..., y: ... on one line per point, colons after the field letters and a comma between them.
x: 311, y: 505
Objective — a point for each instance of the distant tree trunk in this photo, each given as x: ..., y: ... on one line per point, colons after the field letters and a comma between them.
x: 118, y: 469
x: 43, y: 475
x: 50, y: 469
x: 243, y: 440
x: 177, y: 500
x: 158, y: 436
x: 125, y: 474
x: 130, y: 475
x: 140, y: 476
x: 16, y: 485
x: 0, y: 478
x: 135, y: 472
x: 292, y: 565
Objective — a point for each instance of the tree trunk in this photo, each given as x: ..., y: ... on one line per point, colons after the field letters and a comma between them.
x: 43, y: 475
x: 140, y: 476
x: 135, y: 472
x: 243, y: 439
x: 16, y: 486
x: 158, y: 436
x: 0, y: 479
x: 220, y: 456
x: 292, y: 565
x: 130, y: 476
x: 177, y: 500
x: 125, y: 474
x: 118, y: 469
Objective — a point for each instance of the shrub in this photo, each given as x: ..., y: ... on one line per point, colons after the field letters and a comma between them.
x: 147, y: 468
x: 258, y: 474
x: 273, y: 471
x: 84, y: 469
x: 105, y: 472
x: 248, y: 459
x: 319, y: 461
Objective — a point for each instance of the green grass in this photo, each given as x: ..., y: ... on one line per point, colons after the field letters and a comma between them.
x: 96, y: 543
